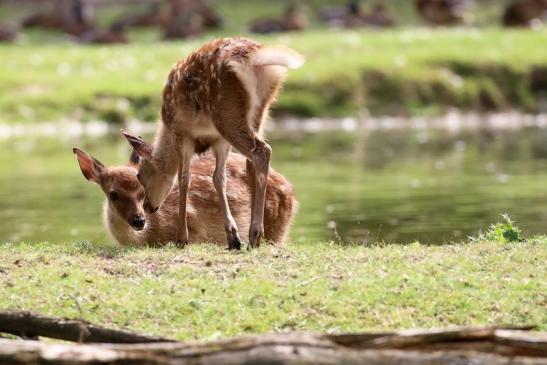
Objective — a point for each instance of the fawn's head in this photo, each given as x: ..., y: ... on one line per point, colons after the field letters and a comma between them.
x: 156, y: 182
x: 119, y: 183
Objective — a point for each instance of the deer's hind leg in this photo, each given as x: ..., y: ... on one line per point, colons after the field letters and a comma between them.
x: 221, y: 150
x: 258, y: 153
x: 185, y: 151
x: 260, y: 159
x: 238, y: 116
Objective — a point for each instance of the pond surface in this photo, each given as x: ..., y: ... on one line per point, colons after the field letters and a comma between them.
x: 364, y: 185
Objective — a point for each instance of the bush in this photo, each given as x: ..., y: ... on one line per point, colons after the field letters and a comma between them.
x: 504, y: 232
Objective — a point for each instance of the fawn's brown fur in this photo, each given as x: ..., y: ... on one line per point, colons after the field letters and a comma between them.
x: 217, y: 97
x: 128, y: 223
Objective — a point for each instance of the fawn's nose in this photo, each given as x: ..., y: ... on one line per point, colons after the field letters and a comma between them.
x: 138, y: 222
x: 148, y: 208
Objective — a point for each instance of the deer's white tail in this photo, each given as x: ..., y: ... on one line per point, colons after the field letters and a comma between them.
x: 277, y: 56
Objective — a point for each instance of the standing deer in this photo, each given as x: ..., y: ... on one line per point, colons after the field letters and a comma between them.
x: 127, y: 222
x: 442, y: 12
x: 295, y: 18
x: 7, y: 34
x: 522, y: 13
x: 218, y: 97
x: 74, y: 17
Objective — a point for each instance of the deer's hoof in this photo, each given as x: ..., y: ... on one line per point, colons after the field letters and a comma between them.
x: 234, y: 243
x: 182, y: 243
x: 254, y: 239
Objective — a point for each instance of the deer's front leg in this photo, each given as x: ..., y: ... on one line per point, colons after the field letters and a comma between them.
x: 222, y: 150
x: 184, y: 178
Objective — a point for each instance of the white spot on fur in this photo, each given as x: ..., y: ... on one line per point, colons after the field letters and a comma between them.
x: 190, y: 210
x: 202, y: 195
x: 285, y: 188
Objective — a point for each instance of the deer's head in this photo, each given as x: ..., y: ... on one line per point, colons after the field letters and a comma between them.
x: 156, y: 181
x: 120, y: 184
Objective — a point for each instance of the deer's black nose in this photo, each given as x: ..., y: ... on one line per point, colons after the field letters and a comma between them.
x: 138, y: 222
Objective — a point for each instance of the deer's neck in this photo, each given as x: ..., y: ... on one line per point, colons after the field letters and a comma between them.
x: 165, y: 154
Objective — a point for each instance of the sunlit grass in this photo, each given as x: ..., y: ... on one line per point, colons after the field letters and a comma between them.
x: 205, y: 292
x: 407, y: 70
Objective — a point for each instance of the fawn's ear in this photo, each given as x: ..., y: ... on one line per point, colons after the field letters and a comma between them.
x: 143, y: 149
x: 134, y: 158
x: 91, y: 167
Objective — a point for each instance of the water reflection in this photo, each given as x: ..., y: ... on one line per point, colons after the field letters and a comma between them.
x: 359, y: 185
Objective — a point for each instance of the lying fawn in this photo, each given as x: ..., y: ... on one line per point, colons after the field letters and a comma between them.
x: 130, y: 225
x: 218, y: 97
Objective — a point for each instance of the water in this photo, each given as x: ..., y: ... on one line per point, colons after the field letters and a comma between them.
x: 354, y: 185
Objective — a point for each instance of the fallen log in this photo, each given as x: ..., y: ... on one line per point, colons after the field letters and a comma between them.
x: 460, y: 346
x: 29, y: 325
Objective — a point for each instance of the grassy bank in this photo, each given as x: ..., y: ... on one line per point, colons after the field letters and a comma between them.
x: 403, y: 71
x: 206, y: 292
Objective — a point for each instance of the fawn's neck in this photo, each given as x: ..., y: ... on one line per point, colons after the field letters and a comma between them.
x: 164, y: 156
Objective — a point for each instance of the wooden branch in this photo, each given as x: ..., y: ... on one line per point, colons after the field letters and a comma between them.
x: 461, y: 346
x: 29, y: 325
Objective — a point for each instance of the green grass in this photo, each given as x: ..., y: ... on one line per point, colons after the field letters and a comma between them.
x: 412, y: 71
x: 205, y: 292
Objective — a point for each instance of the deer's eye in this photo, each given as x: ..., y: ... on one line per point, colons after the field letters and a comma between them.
x: 113, y: 196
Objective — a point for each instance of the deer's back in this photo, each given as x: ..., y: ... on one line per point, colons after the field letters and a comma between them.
x: 193, y: 83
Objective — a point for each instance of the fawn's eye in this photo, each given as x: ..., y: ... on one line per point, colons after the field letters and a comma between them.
x: 113, y: 196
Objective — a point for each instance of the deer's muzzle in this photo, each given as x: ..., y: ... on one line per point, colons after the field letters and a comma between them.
x: 138, y: 223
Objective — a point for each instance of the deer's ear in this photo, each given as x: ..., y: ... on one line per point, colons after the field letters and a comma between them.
x: 134, y: 158
x: 92, y: 169
x: 143, y: 149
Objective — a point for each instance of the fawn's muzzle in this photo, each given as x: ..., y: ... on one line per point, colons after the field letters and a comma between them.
x: 138, y: 223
